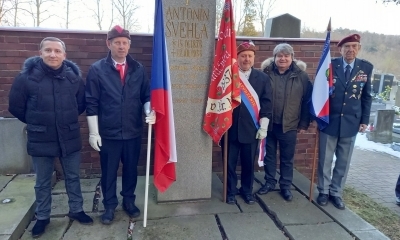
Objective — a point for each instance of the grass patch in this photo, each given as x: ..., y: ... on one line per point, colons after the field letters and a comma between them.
x: 381, y: 217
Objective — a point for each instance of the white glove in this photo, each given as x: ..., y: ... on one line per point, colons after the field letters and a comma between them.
x: 262, y: 131
x: 94, y: 136
x: 150, y: 114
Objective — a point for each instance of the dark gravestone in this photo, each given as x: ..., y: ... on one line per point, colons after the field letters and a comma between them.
x: 284, y: 25
x: 387, y: 81
x: 383, y: 127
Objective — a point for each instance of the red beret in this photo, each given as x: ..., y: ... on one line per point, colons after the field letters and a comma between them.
x: 246, y: 46
x: 350, y: 38
x: 118, y: 31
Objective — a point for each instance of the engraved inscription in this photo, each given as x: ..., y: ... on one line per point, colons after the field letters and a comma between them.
x: 187, y: 27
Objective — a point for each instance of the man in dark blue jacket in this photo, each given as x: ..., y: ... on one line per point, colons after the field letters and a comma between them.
x: 117, y: 89
x: 350, y: 105
x: 48, y: 95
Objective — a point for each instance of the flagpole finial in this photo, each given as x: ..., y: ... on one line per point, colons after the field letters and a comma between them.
x: 329, y: 26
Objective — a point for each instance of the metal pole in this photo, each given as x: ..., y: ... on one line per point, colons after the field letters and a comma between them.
x: 146, y: 193
x: 310, y: 196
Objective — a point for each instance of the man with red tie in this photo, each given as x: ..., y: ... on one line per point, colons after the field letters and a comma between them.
x: 117, y: 89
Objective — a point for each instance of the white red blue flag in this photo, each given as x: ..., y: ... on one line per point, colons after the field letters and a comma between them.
x: 161, y: 102
x: 323, y: 85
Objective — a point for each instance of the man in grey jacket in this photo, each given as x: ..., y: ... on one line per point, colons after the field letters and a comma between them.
x: 291, y: 90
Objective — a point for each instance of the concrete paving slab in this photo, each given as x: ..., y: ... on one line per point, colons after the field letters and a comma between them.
x: 55, y: 229
x: 177, y: 228
x: 370, y: 235
x: 246, y: 207
x: 257, y: 225
x: 4, y: 180
x: 260, y: 176
x: 87, y: 185
x: 318, y: 231
x: 59, y: 204
x: 211, y: 206
x: 347, y: 218
x: 293, y: 212
x: 5, y: 237
x: 118, y: 230
x: 19, y: 211
x: 155, y: 211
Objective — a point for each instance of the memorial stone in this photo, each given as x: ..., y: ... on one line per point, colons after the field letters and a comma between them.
x: 14, y: 158
x: 383, y: 127
x: 284, y: 25
x: 190, y: 33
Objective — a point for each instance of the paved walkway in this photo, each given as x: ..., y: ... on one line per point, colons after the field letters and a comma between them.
x: 375, y: 174
x: 270, y: 218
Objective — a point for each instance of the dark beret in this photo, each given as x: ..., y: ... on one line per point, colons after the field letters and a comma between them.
x: 118, y: 31
x: 351, y: 38
x: 246, y: 46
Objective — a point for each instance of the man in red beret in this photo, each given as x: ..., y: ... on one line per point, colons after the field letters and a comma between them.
x: 350, y: 105
x: 117, y: 89
x: 249, y: 123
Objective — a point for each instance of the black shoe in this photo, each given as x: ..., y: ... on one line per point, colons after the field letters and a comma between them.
x: 286, y: 194
x: 264, y: 189
x: 248, y: 198
x: 108, y: 217
x: 81, y: 217
x: 322, y: 199
x: 337, y: 202
x: 131, y: 209
x: 230, y: 199
x: 39, y: 227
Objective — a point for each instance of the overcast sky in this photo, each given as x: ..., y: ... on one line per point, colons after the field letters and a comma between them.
x: 362, y: 15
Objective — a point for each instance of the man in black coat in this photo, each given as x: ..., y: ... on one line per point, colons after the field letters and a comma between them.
x: 349, y: 110
x: 291, y: 89
x: 117, y: 89
x: 48, y: 95
x: 249, y: 125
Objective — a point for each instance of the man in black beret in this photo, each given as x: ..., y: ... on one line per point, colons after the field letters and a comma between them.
x: 349, y: 106
x: 117, y: 89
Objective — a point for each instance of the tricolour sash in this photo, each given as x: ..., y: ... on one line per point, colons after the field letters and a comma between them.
x: 251, y: 101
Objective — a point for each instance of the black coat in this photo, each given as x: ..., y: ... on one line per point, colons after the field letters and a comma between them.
x: 118, y: 107
x: 350, y: 104
x: 50, y: 106
x: 243, y: 128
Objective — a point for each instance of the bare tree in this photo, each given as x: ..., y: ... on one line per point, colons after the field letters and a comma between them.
x: 5, y: 9
x: 126, y: 10
x: 98, y: 9
x: 263, y: 9
x: 39, y: 10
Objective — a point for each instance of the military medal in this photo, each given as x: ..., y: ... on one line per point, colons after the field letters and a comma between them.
x: 354, y: 86
x: 354, y: 90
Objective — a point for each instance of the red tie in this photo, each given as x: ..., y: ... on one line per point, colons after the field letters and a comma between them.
x: 120, y: 68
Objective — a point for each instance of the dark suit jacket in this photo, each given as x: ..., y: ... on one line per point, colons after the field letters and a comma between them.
x: 243, y: 128
x: 350, y: 104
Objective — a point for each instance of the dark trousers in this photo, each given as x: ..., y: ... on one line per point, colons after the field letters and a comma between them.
x: 247, y: 155
x: 398, y: 188
x: 287, y: 145
x: 111, y: 152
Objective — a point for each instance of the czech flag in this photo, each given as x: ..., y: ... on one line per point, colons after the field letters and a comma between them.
x: 161, y: 102
x: 323, y: 85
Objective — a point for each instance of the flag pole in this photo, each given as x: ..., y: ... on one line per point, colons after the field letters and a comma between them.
x: 146, y: 192
x: 225, y: 170
x: 310, y: 196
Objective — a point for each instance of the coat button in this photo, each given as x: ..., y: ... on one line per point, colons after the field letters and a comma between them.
x: 344, y: 103
x: 341, y: 114
x: 345, y: 93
